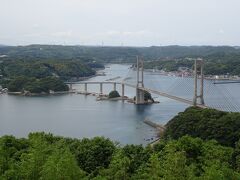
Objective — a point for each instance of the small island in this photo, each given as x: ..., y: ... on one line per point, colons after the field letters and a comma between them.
x: 113, y: 95
x: 147, y: 99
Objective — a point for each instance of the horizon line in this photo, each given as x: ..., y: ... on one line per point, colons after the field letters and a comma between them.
x: 127, y: 46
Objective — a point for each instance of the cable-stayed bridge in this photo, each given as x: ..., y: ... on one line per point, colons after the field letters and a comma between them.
x: 194, y: 91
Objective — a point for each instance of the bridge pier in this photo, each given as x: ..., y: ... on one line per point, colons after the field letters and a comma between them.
x: 114, y: 86
x: 70, y: 87
x: 139, y: 93
x: 139, y: 97
x: 201, y: 85
x: 85, y: 87
x: 197, y: 63
x: 123, y: 90
x: 101, y: 88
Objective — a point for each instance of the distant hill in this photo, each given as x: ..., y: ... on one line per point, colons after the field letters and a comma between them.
x: 156, y: 52
x: 112, y: 54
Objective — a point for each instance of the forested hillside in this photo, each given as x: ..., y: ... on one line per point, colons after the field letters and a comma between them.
x: 65, y: 69
x: 215, y: 64
x: 41, y: 52
x: 41, y: 76
x: 34, y: 85
x: 44, y: 156
x: 219, y: 59
x: 207, y: 124
x: 112, y: 54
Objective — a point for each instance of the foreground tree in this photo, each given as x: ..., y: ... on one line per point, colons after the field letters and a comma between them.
x: 62, y: 165
x: 44, y: 156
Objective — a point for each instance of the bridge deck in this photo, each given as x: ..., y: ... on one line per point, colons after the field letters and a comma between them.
x: 186, y: 101
x: 93, y: 82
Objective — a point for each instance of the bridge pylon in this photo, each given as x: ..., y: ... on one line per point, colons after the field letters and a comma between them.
x: 198, y: 72
x: 139, y: 93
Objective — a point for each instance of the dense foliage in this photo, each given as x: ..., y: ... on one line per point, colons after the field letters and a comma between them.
x: 44, y: 156
x: 206, y: 124
x: 112, y: 54
x: 41, y: 76
x: 222, y: 63
x: 219, y: 59
x: 168, y: 65
x: 34, y: 85
x: 148, y: 96
x: 45, y: 52
x: 216, y: 64
x: 113, y: 94
x: 65, y: 69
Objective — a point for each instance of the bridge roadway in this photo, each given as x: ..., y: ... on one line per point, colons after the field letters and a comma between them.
x: 186, y: 101
x: 94, y: 82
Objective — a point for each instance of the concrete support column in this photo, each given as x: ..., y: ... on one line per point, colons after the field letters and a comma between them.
x: 85, y: 87
x: 198, y: 63
x: 139, y: 93
x: 137, y: 71
x: 114, y: 86
x: 142, y: 69
x: 195, y: 84
x: 70, y: 87
x: 139, y: 96
x: 202, y: 85
x: 101, y: 88
x: 123, y: 90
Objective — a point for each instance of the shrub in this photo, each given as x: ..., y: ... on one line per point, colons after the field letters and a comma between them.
x: 114, y: 94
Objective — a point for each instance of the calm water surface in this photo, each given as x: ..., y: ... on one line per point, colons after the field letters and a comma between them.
x: 81, y: 116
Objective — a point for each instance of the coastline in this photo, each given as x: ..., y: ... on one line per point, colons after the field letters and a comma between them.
x: 39, y: 94
x: 160, y: 130
x: 57, y: 92
x: 189, y: 75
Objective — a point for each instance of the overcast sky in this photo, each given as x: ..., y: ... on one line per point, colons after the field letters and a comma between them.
x: 120, y: 22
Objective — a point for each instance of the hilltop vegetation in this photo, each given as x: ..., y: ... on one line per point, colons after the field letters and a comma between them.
x: 44, y: 156
x: 215, y: 64
x: 207, y: 124
x: 34, y: 85
x: 219, y: 59
x: 65, y: 69
x: 41, y: 76
x: 97, y: 53
x: 112, y: 54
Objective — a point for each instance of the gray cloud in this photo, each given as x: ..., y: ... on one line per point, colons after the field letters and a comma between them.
x: 131, y: 22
